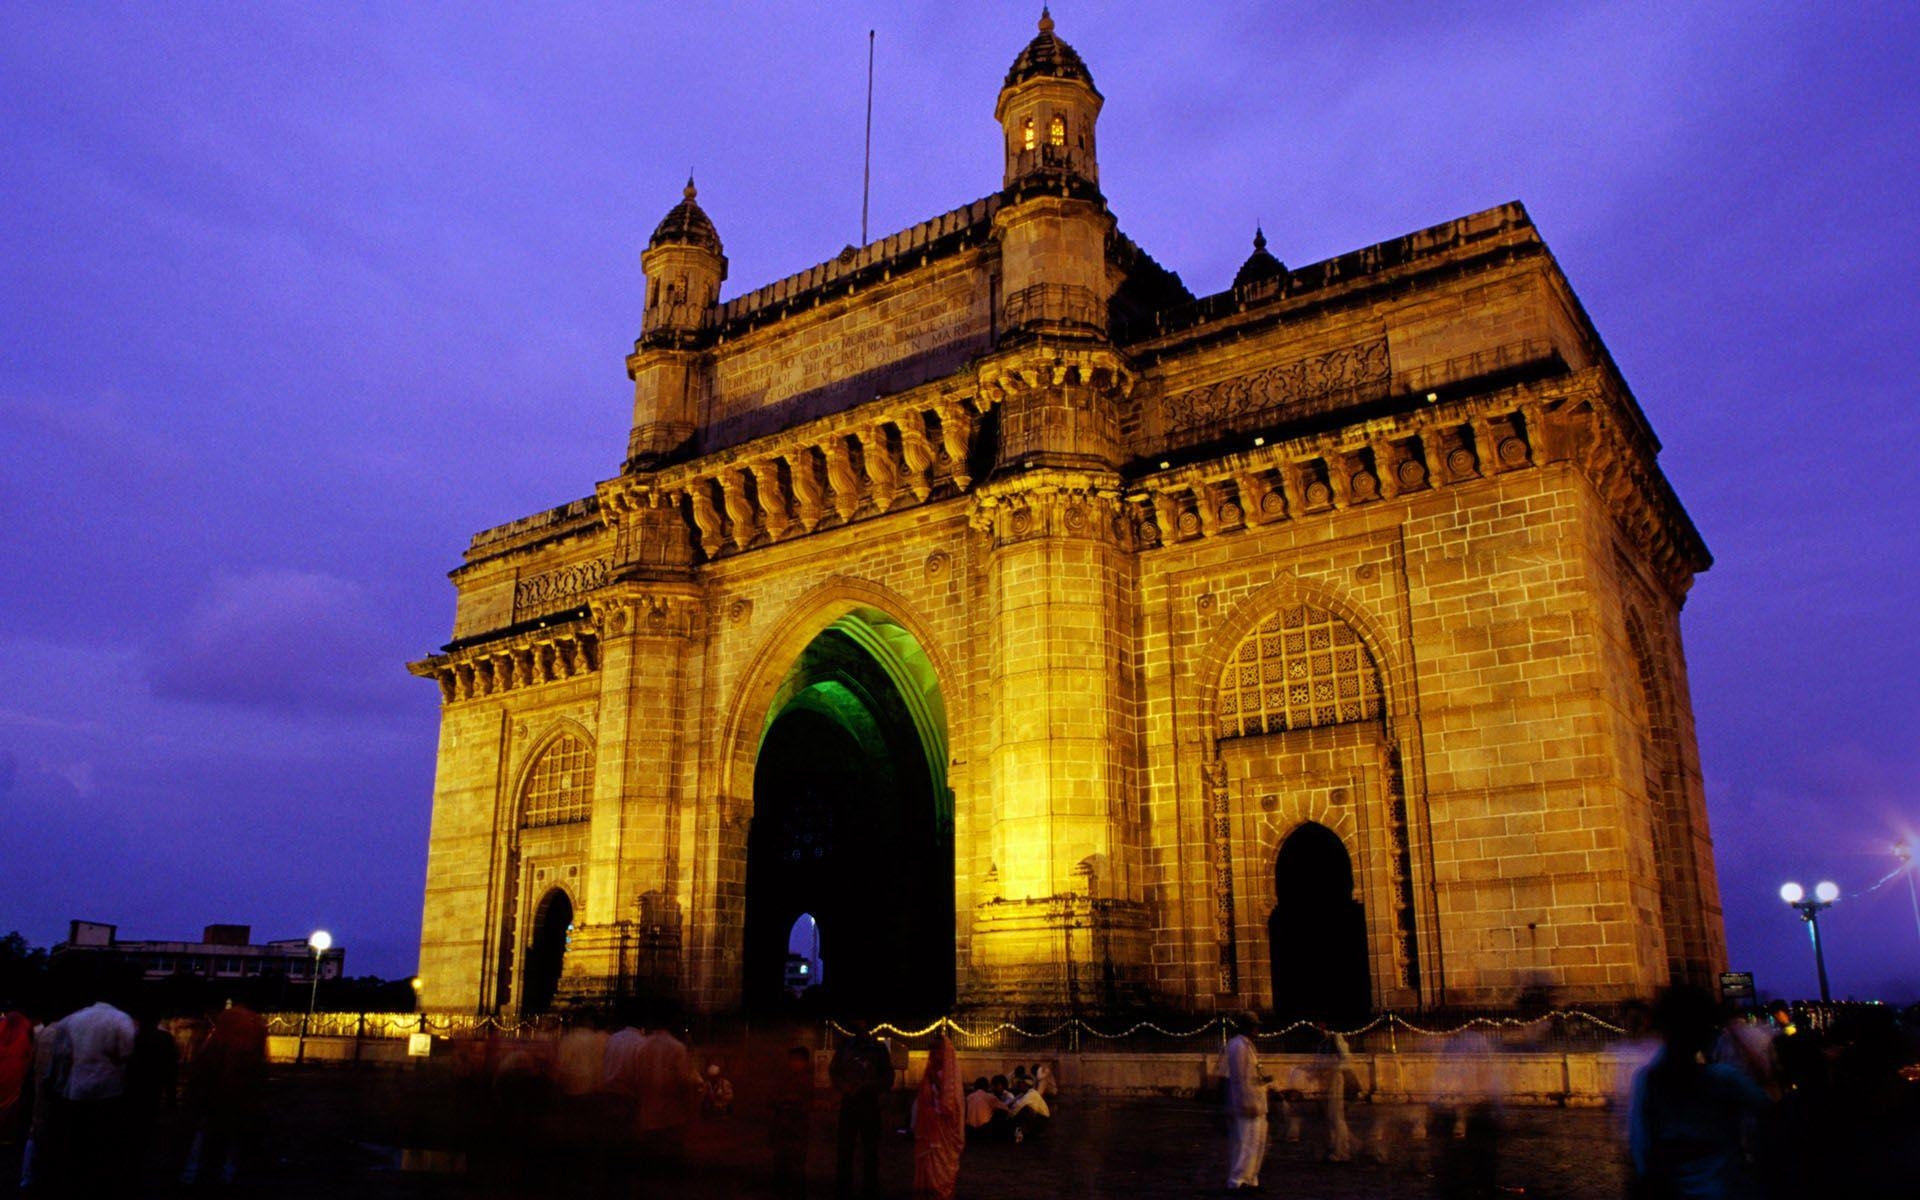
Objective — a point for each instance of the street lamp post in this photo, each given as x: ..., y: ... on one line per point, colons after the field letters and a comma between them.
x: 1824, y: 894
x: 320, y: 941
x: 1904, y: 853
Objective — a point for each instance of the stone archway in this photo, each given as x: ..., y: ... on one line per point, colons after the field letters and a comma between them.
x: 1317, y: 934
x: 852, y: 822
x: 546, y: 951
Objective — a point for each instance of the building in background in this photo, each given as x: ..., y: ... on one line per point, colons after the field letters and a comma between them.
x: 1062, y: 640
x: 224, y: 952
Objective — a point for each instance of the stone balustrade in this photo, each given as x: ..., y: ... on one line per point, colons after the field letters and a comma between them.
x: 826, y: 473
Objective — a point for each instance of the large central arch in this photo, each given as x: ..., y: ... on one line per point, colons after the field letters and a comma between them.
x: 852, y: 822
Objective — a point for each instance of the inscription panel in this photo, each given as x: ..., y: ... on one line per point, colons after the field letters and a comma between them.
x: 888, y: 344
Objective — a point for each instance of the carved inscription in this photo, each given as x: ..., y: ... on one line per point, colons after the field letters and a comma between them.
x: 558, y: 588
x: 1358, y: 372
x: 922, y: 320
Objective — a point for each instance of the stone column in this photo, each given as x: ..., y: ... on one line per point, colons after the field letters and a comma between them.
x: 1066, y: 927
x: 627, y: 937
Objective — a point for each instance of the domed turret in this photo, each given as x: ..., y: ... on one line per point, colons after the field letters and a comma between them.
x: 686, y: 224
x: 1048, y: 56
x: 1046, y: 111
x: 1260, y: 265
x: 684, y: 269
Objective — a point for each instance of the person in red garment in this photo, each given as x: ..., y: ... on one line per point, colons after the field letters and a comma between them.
x: 939, y: 1124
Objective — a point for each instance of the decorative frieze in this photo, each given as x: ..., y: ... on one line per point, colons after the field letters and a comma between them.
x: 562, y: 587
x: 1348, y: 375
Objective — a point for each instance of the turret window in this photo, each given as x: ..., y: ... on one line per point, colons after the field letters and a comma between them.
x: 1057, y: 132
x: 1028, y: 137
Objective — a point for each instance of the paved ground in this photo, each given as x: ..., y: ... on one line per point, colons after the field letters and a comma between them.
x: 340, y: 1132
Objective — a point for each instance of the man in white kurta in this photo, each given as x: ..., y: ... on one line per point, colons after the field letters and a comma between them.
x: 1246, y: 1106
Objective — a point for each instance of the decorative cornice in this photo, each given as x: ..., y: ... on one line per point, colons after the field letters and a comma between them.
x: 1317, y: 474
x: 895, y: 452
x: 1040, y: 366
x: 648, y: 610
x: 529, y: 658
x: 1571, y: 419
x: 1051, y: 503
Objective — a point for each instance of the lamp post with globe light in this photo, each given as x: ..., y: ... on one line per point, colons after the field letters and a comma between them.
x: 1824, y: 894
x: 320, y: 942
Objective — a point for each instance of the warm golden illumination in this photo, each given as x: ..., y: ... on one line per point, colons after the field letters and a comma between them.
x: 1028, y: 134
x: 1057, y: 132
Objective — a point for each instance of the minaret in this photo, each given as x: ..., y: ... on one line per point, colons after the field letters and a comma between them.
x: 1047, y: 111
x: 684, y: 268
x: 1053, y: 227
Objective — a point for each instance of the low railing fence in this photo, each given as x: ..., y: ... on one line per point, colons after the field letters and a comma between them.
x: 1559, y: 1029
x: 1389, y: 1032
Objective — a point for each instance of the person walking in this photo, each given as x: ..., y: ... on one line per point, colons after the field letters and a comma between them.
x: 1687, y: 1113
x: 939, y: 1124
x: 1339, y: 1072
x: 226, y: 1094
x: 862, y: 1072
x: 1246, y: 1101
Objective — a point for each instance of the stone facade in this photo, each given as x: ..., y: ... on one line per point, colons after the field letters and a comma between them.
x: 1378, y: 544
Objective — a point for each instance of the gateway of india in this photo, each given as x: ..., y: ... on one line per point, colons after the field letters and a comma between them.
x: 983, y: 608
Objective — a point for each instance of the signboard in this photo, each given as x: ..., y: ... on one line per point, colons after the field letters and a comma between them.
x: 419, y: 1045
x: 1736, y: 985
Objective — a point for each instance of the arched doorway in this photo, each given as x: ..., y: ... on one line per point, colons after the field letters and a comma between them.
x: 1317, y: 935
x: 852, y: 824
x: 547, y: 951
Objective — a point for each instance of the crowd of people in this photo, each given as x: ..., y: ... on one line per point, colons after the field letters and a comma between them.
x: 1722, y: 1105
x: 85, y: 1091
x: 1712, y: 1103
x: 614, y: 1109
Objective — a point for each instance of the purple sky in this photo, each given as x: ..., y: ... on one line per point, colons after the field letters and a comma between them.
x: 295, y: 298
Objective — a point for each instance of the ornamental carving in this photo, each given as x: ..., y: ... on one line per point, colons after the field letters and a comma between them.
x: 1359, y: 372
x: 559, y: 588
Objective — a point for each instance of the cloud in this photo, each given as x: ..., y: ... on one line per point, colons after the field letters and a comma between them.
x: 279, y: 639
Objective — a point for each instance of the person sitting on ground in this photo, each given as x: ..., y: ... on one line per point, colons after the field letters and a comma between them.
x: 1044, y: 1082
x: 1029, y: 1112
x: 987, y: 1116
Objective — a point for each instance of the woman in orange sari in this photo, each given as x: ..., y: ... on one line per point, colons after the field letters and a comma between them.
x: 939, y: 1124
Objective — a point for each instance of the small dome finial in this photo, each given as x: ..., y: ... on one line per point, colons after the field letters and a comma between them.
x: 1046, y: 20
x: 690, y: 191
x: 1259, y: 238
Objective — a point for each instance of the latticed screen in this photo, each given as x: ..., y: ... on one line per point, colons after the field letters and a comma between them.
x: 1303, y: 667
x: 560, y: 789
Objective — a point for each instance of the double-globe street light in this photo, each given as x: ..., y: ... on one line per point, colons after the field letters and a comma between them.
x: 320, y: 942
x: 1824, y: 894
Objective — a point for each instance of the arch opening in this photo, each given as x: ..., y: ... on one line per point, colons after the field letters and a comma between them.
x: 852, y: 830
x: 1317, y: 935
x: 546, y: 951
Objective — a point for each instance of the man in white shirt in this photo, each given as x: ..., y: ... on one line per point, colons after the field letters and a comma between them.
x: 101, y: 1039
x: 1029, y: 1112
x: 1246, y: 1105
